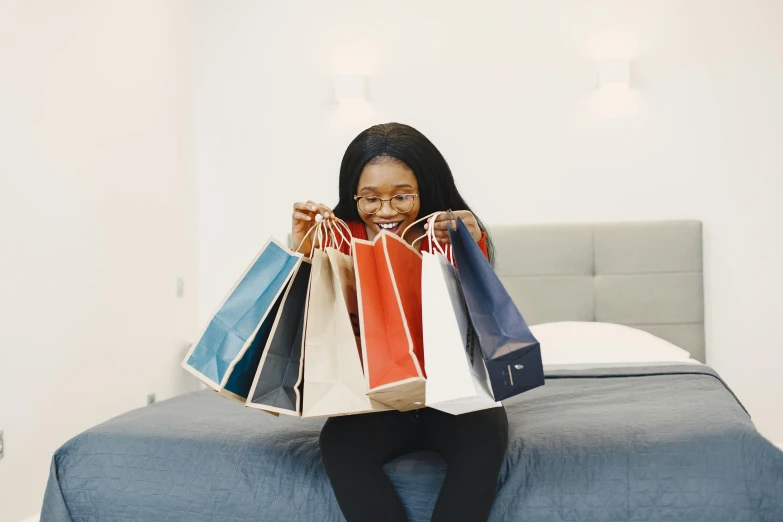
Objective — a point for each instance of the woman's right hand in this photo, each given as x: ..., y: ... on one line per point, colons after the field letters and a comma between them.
x: 303, y: 220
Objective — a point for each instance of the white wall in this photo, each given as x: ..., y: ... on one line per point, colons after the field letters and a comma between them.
x: 97, y: 220
x: 507, y: 94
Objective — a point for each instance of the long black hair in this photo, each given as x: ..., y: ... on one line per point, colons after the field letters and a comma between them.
x: 437, y: 190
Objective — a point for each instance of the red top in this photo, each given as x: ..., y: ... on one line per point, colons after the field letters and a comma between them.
x: 359, y: 231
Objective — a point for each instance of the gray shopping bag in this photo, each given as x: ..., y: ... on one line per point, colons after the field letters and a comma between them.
x: 277, y: 387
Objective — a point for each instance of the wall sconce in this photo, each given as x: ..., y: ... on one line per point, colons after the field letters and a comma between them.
x: 350, y: 87
x: 614, y: 74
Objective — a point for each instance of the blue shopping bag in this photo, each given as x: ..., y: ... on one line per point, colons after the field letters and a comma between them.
x: 511, y: 353
x: 230, y: 347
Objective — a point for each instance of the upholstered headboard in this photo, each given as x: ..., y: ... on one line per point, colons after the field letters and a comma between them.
x: 647, y: 275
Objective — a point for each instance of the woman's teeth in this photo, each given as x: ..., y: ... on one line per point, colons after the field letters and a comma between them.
x: 388, y: 226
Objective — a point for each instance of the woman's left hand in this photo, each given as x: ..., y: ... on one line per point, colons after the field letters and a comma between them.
x: 442, y: 224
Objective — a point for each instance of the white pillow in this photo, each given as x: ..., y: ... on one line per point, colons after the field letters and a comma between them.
x: 575, y: 342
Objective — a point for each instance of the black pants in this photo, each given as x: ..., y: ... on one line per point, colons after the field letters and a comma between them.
x: 355, y: 448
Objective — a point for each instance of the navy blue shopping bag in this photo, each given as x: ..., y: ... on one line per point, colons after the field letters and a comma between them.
x: 511, y: 352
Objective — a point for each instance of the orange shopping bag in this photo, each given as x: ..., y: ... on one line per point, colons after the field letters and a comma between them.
x: 388, y: 287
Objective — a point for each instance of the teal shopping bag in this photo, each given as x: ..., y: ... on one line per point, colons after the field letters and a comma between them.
x: 229, y: 349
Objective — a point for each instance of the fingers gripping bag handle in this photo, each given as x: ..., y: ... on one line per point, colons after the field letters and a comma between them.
x: 429, y: 234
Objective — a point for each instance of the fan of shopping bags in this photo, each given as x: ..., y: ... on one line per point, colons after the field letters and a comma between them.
x: 363, y: 326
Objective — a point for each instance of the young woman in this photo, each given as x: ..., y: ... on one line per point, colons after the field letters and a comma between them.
x: 390, y: 176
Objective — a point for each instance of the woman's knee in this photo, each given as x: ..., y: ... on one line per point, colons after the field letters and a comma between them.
x: 333, y: 438
x: 490, y: 448
x: 344, y: 439
x: 485, y: 439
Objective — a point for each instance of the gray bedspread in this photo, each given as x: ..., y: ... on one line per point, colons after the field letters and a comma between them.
x: 614, y: 444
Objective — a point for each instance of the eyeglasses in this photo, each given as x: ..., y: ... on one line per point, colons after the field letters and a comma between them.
x: 401, y: 203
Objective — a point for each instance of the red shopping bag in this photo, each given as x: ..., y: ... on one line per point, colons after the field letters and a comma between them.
x: 388, y: 285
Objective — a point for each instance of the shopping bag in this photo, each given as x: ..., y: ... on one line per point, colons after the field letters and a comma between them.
x: 333, y: 378
x: 388, y: 283
x: 511, y: 353
x: 457, y: 378
x: 228, y: 351
x: 277, y: 387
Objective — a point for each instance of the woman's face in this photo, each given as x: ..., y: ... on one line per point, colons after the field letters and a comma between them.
x: 385, y: 179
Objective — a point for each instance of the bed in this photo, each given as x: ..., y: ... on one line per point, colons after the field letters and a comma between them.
x: 630, y: 425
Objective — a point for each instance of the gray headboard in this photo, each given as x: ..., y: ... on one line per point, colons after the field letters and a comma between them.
x: 647, y: 275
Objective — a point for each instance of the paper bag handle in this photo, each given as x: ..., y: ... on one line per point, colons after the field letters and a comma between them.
x: 448, y: 252
x: 418, y: 221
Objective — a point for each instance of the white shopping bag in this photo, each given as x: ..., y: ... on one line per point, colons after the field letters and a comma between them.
x: 457, y: 379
